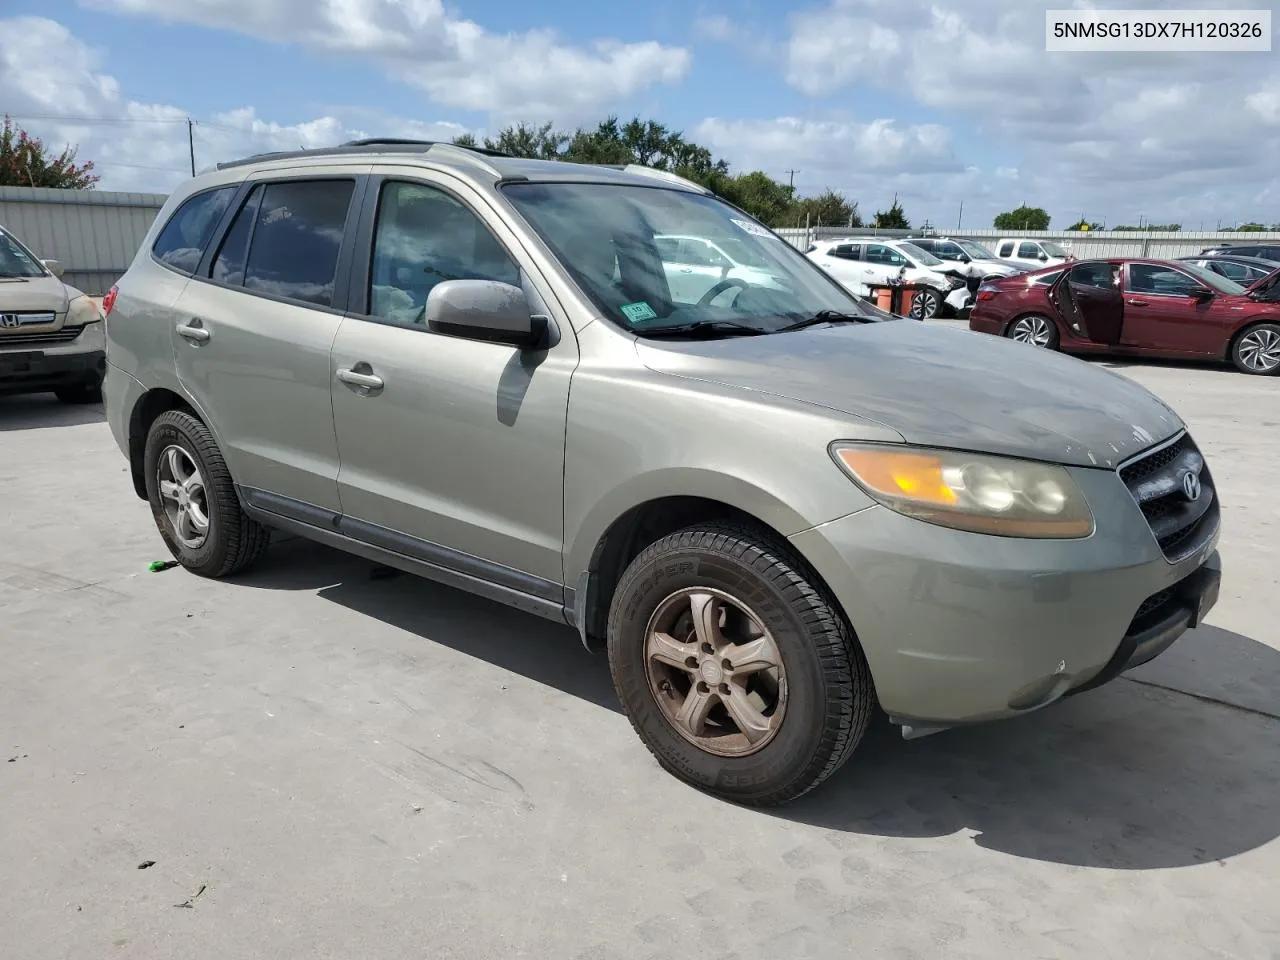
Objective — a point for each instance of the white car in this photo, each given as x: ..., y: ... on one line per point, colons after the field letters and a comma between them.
x: 696, y: 265
x: 1033, y: 253
x: 856, y: 262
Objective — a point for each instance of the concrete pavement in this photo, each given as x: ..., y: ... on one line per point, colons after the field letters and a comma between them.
x: 357, y: 768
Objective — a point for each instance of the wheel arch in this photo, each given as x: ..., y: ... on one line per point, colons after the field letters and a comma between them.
x: 1250, y: 324
x: 148, y: 407
x: 615, y: 532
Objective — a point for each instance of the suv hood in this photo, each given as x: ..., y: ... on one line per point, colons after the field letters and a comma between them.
x: 32, y: 294
x: 939, y: 387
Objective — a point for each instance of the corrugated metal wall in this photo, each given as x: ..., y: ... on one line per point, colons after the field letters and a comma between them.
x: 93, y: 234
x: 1110, y: 243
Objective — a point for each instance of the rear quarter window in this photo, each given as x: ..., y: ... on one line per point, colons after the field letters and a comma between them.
x: 181, y: 243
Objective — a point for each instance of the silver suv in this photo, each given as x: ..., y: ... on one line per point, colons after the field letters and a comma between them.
x: 776, y: 510
x: 50, y: 333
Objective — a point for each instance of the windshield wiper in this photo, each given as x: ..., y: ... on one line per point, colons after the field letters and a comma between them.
x: 824, y: 316
x: 727, y: 328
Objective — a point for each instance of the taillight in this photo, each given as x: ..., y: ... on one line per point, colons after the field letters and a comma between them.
x: 987, y: 293
x: 109, y: 301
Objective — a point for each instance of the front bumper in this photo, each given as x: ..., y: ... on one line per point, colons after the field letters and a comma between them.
x: 959, y: 627
x: 35, y: 369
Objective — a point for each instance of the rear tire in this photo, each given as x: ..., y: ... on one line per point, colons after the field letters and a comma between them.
x: 926, y: 304
x: 1256, y: 350
x: 1035, y: 329
x: 194, y: 501
x: 760, y: 735
x: 80, y: 393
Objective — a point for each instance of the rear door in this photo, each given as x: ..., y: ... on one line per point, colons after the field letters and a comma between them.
x: 456, y: 456
x: 253, y: 334
x: 844, y: 262
x: 1089, y: 299
x: 1162, y: 313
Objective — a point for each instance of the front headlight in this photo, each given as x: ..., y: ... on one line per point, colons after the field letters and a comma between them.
x: 82, y: 311
x: 970, y: 491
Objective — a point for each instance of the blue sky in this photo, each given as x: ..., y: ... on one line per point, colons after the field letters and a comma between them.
x: 939, y: 101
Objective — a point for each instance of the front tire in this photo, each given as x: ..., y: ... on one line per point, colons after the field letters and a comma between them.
x: 926, y: 303
x: 194, y: 501
x: 1257, y: 350
x: 1035, y: 329
x: 734, y: 666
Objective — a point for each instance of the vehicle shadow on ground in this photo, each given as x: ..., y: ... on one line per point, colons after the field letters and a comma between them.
x: 1130, y: 776
x: 37, y: 410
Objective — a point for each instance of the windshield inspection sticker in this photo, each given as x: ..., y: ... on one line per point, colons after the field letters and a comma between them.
x: 752, y: 228
x: 638, y: 312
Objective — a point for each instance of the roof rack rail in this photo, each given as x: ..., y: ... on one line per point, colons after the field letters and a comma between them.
x: 367, y: 145
x: 640, y: 170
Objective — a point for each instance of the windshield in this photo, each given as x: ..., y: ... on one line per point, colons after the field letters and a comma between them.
x: 604, y: 235
x: 920, y: 255
x: 16, y: 261
x: 1053, y: 249
x: 1211, y: 279
x: 976, y: 251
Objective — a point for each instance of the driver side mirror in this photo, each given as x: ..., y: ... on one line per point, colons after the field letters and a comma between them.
x: 1043, y: 256
x: 1202, y: 294
x: 485, y: 310
x: 53, y: 266
x: 964, y: 258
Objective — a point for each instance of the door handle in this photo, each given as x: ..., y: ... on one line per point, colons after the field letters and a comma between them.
x: 1137, y: 303
x: 367, y: 381
x: 196, y: 334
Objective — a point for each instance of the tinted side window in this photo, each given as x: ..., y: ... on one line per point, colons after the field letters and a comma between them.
x: 1048, y: 279
x: 1029, y: 250
x: 228, y: 265
x: 182, y: 241
x: 946, y: 251
x: 1093, y: 274
x: 296, y: 238
x: 1006, y: 249
x: 878, y: 253
x: 1149, y: 278
x: 847, y: 251
x: 424, y: 237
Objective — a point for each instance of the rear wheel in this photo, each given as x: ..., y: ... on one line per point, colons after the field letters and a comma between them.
x: 734, y: 667
x: 1035, y: 329
x: 1257, y: 350
x: 194, y: 501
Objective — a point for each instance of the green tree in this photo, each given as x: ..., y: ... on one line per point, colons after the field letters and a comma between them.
x: 25, y: 161
x: 1083, y: 224
x: 1250, y: 228
x: 1150, y: 228
x: 827, y: 209
x: 760, y: 195
x: 1023, y: 218
x: 895, y: 218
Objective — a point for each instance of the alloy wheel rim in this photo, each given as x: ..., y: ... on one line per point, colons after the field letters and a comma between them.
x: 1260, y: 350
x: 716, y: 672
x: 1032, y: 330
x: 184, y: 497
x: 924, y: 304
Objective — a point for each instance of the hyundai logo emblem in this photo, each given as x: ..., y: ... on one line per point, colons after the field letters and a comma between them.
x: 8, y: 319
x: 1191, y: 485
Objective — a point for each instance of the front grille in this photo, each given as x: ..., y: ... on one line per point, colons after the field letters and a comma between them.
x: 1157, y: 480
x: 48, y: 338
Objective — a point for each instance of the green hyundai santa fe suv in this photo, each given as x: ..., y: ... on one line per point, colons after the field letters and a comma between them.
x: 776, y: 508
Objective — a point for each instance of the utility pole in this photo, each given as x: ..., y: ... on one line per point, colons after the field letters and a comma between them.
x: 191, y: 143
x: 960, y: 216
x: 792, y: 181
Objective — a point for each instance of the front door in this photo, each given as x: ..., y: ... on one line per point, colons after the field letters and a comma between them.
x: 1162, y: 311
x: 1089, y: 299
x: 456, y: 455
x: 253, y: 334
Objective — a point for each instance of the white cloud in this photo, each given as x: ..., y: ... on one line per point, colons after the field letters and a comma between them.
x: 46, y: 72
x: 1179, y: 137
x: 457, y: 62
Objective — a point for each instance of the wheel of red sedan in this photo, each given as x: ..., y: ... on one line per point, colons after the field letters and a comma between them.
x: 1257, y: 350
x: 1037, y: 330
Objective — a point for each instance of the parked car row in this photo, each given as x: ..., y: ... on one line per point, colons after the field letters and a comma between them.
x: 1142, y: 307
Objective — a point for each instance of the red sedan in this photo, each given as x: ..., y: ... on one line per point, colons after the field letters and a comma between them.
x: 1150, y: 308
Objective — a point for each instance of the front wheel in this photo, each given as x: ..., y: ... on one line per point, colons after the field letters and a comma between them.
x: 734, y: 666
x: 1257, y: 350
x: 926, y: 303
x: 1037, y: 330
